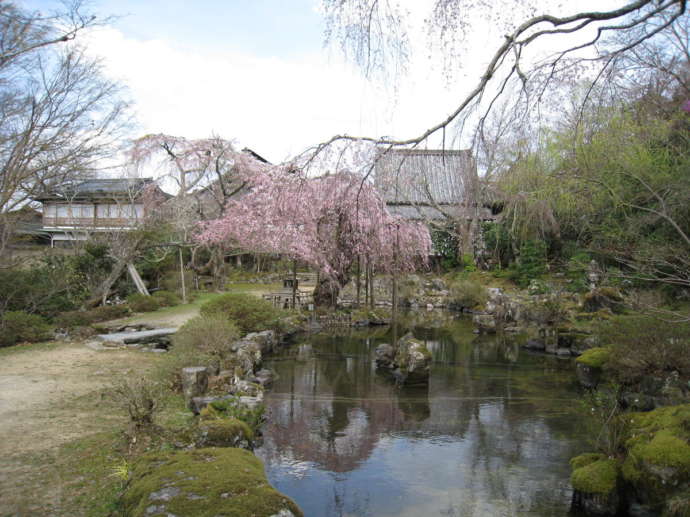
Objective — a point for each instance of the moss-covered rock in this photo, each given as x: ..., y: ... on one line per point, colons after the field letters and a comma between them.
x: 594, y: 474
x: 657, y: 465
x: 203, y: 483
x: 594, y: 357
x: 224, y: 432
x: 595, y: 484
x: 590, y: 364
x: 603, y: 298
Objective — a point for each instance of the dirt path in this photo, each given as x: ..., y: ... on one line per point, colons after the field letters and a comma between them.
x: 49, y: 395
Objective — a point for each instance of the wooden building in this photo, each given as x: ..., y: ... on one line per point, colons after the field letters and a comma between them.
x: 431, y: 185
x: 74, y: 211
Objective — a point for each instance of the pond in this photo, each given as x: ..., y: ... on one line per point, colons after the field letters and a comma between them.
x: 491, y: 436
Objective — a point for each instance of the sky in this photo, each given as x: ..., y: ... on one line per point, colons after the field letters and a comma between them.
x: 257, y: 72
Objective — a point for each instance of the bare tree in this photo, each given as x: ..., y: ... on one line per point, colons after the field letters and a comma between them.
x: 59, y: 116
x: 373, y: 30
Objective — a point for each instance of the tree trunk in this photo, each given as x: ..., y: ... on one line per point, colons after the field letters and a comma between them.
x: 327, y: 290
x: 100, y: 294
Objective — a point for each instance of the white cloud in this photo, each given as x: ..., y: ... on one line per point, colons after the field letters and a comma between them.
x: 279, y: 106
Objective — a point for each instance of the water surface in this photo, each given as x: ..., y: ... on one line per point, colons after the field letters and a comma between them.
x: 491, y: 436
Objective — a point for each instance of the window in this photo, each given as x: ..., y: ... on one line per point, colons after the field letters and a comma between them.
x: 50, y: 210
x: 62, y: 211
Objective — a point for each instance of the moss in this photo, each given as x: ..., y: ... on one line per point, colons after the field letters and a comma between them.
x: 224, y: 432
x: 200, y: 483
x: 585, y: 459
x: 631, y: 470
x: 597, y: 477
x: 666, y: 450
x: 594, y: 357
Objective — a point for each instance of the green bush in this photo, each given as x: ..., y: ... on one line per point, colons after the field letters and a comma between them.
x: 531, y: 264
x: 644, y: 345
x: 466, y: 293
x: 73, y: 319
x: 141, y: 303
x: 167, y: 298
x: 17, y: 327
x: 207, y: 334
x: 249, y: 313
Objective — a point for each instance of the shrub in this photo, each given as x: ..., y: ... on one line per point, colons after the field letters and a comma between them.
x: 18, y: 327
x: 531, y: 264
x: 549, y: 309
x: 467, y: 293
x: 208, y: 335
x: 141, y: 398
x: 142, y: 303
x: 73, y: 319
x: 251, y: 314
x: 167, y: 298
x: 644, y: 345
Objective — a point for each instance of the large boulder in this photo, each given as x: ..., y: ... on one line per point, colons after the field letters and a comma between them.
x: 412, y: 362
x: 265, y: 340
x: 657, y: 463
x: 223, y: 432
x: 603, y: 298
x: 589, y: 366
x: 409, y: 361
x: 203, y: 483
x: 595, y: 484
x: 385, y: 356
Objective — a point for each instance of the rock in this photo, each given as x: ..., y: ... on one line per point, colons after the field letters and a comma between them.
x: 194, y: 382
x: 595, y: 488
x: 221, y: 382
x: 412, y: 361
x: 563, y: 352
x: 197, y: 404
x: 535, y: 344
x: 142, y: 336
x: 248, y: 388
x: 637, y: 401
x: 266, y: 340
x: 207, y: 481
x: 385, y: 355
x: 252, y: 402
x: 485, y: 322
x: 587, y: 376
x: 264, y: 377
x: 438, y: 284
x: 249, y: 356
x: 603, y: 298
x: 224, y: 432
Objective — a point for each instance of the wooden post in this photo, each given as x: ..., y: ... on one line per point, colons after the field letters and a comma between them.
x: 366, y: 283
x: 182, y: 284
x: 394, y: 316
x: 371, y: 287
x: 359, y: 281
x: 294, y: 282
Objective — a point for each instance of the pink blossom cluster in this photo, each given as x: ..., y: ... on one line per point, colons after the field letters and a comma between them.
x: 327, y: 222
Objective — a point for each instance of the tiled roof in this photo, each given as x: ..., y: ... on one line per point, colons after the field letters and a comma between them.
x: 98, y: 188
x: 425, y: 177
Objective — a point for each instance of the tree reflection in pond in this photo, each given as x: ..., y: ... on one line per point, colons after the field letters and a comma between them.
x: 491, y: 435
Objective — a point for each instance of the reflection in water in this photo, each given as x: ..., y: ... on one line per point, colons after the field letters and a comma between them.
x: 491, y: 435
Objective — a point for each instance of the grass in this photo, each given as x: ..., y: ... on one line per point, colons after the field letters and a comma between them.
x: 29, y: 347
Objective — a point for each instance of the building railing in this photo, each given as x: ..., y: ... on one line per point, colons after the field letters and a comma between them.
x: 88, y: 222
